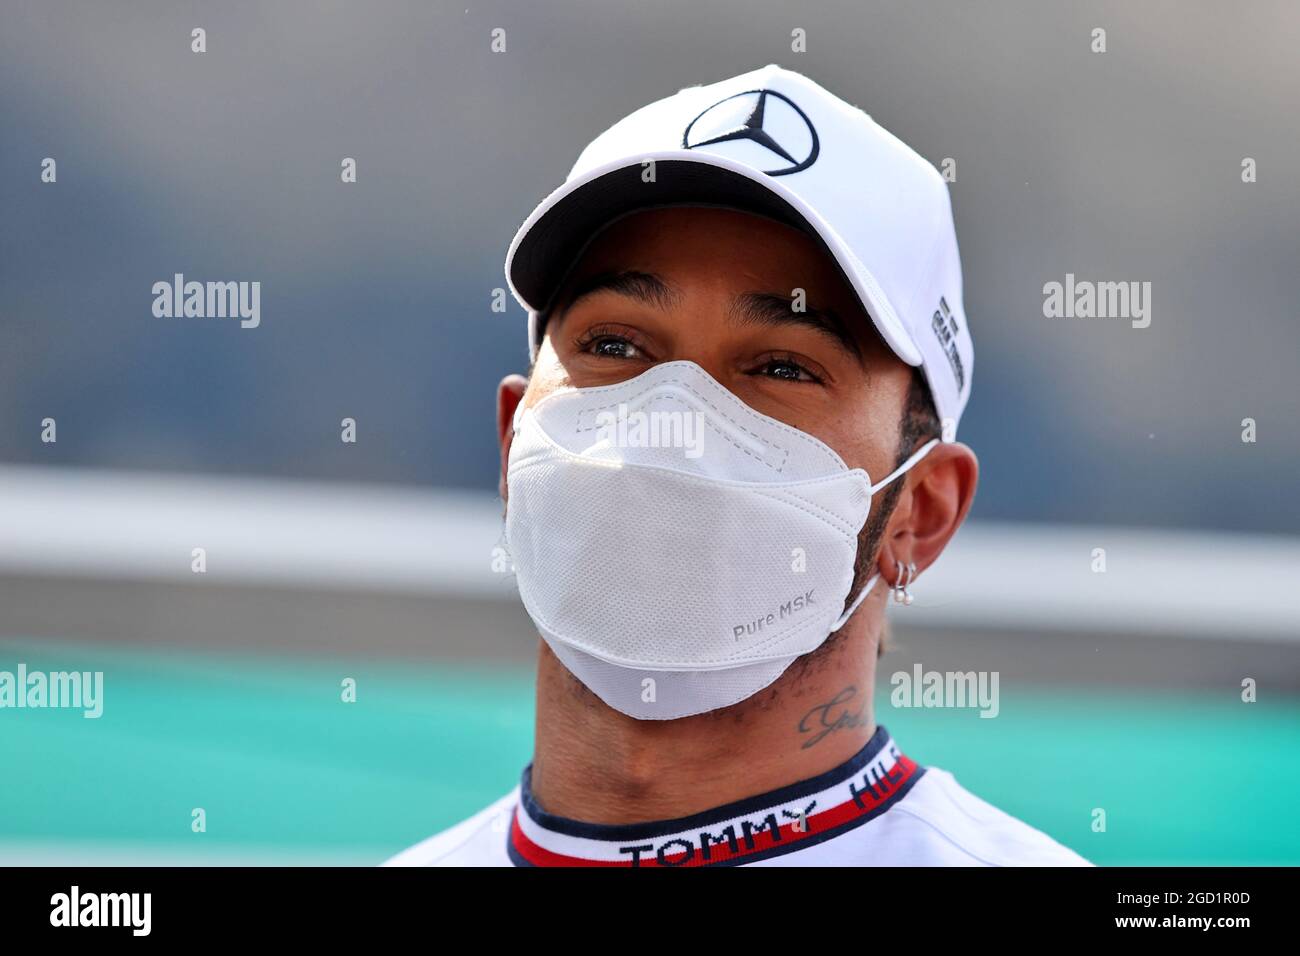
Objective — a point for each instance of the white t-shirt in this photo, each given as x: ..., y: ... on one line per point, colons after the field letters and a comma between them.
x: 879, y: 808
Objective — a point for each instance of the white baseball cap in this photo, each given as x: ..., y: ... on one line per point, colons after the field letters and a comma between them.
x: 775, y: 143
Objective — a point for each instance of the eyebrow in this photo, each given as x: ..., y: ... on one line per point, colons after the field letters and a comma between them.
x: 749, y: 308
x: 642, y: 286
x: 765, y: 308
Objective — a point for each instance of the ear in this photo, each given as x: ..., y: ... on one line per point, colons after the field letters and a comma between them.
x: 509, y: 394
x: 934, y: 503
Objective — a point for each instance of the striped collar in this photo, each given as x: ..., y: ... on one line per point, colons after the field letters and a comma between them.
x: 756, y: 828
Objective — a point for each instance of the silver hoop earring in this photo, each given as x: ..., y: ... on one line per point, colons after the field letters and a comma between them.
x: 903, y: 578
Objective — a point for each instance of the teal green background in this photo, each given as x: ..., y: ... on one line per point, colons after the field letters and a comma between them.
x: 288, y: 772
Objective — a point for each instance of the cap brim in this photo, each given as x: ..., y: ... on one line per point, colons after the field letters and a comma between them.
x: 559, y: 229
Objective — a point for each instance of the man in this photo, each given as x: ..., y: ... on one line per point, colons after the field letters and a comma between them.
x: 749, y: 360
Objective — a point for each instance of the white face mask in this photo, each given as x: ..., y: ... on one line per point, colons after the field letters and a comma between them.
x: 675, y: 548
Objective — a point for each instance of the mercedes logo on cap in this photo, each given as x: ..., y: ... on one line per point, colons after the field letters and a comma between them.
x: 763, y: 125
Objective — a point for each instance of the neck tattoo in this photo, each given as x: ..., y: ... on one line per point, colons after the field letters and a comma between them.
x: 825, y: 719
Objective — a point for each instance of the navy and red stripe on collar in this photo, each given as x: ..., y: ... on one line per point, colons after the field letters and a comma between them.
x: 770, y: 824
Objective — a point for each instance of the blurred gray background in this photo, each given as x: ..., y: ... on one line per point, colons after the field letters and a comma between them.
x: 376, y: 296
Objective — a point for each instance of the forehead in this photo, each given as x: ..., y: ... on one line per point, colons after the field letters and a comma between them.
x: 700, y: 240
x: 723, y: 255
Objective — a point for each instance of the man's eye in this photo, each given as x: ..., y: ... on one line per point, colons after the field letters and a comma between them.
x: 788, y: 370
x: 612, y: 346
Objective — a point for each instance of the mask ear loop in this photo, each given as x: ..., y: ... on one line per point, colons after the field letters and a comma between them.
x: 915, y: 457
x: 857, y: 602
x: 871, y: 582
